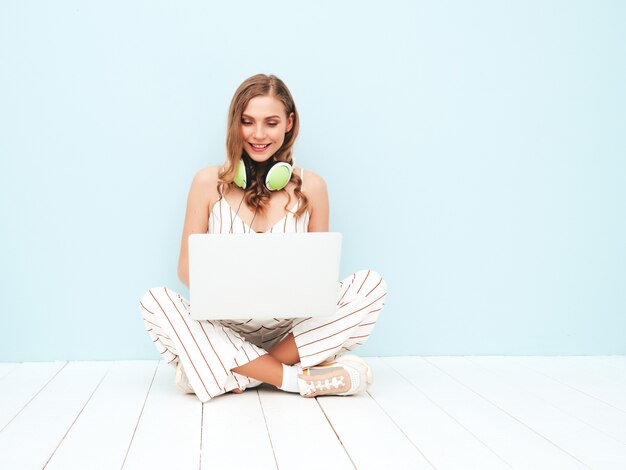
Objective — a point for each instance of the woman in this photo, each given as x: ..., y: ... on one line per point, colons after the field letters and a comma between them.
x: 299, y: 355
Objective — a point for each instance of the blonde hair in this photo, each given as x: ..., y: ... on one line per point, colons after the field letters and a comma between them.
x: 256, y: 194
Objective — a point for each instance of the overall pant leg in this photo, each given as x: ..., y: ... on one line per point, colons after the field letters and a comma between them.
x: 207, y: 349
x: 360, y: 298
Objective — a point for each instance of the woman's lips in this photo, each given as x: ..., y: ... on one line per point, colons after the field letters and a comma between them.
x: 259, y: 150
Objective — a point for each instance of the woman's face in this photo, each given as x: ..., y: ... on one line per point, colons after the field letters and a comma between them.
x: 264, y: 123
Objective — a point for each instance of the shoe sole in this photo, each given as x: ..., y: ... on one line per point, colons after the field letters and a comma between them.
x: 178, y: 380
x: 370, y: 377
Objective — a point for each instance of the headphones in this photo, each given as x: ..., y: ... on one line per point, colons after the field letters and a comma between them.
x: 276, y: 175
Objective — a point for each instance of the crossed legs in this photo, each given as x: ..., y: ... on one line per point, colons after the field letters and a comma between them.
x: 269, y: 367
x: 360, y: 300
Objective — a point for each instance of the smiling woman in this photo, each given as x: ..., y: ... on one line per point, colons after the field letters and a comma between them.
x: 299, y: 355
x: 263, y: 125
x: 262, y: 134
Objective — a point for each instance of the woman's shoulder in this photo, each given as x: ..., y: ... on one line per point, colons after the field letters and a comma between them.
x: 314, y: 187
x: 313, y: 182
x: 208, y: 173
x: 207, y: 178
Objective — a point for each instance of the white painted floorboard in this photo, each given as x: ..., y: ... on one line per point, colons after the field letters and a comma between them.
x: 23, y: 383
x: 570, y: 434
x: 300, y: 432
x: 421, y: 412
x: 601, y: 379
x: 595, y: 413
x: 370, y: 436
x: 517, y: 445
x: 100, y: 437
x: 6, y: 367
x: 443, y: 441
x: 33, y: 436
x: 167, y: 435
x: 235, y: 427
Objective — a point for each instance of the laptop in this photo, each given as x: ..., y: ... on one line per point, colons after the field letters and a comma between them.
x: 263, y: 275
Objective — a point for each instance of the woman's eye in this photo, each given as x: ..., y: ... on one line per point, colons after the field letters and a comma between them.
x: 272, y: 124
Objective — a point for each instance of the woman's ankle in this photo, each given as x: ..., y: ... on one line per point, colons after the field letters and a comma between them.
x: 290, y: 378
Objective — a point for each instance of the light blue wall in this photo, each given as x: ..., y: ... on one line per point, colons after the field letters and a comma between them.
x: 474, y: 154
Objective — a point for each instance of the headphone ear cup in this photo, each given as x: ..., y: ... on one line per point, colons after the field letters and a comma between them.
x: 278, y: 176
x: 241, y: 175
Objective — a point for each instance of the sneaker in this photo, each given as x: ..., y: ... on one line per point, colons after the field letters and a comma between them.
x: 253, y: 383
x: 181, y: 380
x: 347, y: 375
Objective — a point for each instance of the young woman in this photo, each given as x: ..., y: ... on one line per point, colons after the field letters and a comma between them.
x: 254, y: 192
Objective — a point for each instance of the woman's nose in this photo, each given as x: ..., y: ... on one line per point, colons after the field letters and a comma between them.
x: 259, y: 132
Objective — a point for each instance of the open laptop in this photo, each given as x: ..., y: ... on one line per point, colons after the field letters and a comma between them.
x: 263, y: 275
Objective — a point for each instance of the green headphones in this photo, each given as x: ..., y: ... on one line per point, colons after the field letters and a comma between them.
x: 276, y: 176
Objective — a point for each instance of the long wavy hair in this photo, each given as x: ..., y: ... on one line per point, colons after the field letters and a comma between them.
x: 256, y: 194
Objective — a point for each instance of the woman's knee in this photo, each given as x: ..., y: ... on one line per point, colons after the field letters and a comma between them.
x: 146, y: 303
x: 382, y: 284
x: 371, y: 282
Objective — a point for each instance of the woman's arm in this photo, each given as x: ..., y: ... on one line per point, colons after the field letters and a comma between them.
x: 317, y: 193
x: 197, y: 217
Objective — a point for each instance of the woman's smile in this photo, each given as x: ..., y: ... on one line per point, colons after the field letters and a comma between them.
x: 258, y: 148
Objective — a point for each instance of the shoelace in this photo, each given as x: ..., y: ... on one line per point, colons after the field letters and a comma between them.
x: 336, y: 382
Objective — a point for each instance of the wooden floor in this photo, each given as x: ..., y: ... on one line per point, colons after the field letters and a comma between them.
x: 421, y: 412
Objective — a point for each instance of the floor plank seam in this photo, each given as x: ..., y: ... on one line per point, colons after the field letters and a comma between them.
x: 35, y: 396
x: 201, y: 433
x: 509, y: 414
x: 76, y: 418
x: 402, y: 431
x: 266, y: 426
x: 396, y: 424
x: 143, y: 406
x: 336, y: 434
x: 15, y: 366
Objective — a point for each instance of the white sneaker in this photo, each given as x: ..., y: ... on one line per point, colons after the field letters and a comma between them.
x: 347, y: 375
x: 253, y: 383
x: 181, y: 380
